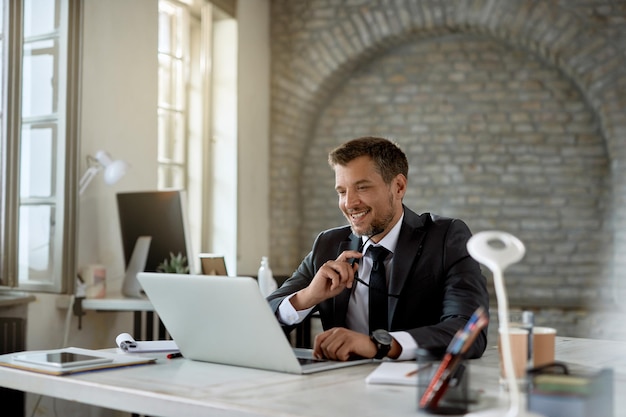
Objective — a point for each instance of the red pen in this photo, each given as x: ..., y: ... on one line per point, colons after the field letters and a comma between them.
x: 174, y: 355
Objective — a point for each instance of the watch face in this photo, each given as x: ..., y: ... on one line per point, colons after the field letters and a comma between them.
x: 382, y: 336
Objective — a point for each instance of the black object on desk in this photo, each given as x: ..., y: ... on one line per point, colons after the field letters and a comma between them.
x: 553, y: 391
x: 12, y: 339
x: 455, y: 400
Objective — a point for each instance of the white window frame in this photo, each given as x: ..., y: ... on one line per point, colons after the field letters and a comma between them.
x: 59, y: 276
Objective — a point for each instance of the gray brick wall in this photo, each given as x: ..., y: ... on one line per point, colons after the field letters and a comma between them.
x: 513, y: 116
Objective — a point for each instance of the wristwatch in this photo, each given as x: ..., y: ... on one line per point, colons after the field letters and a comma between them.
x: 382, y: 339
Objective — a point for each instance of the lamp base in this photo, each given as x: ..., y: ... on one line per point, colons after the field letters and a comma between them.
x: 502, y: 412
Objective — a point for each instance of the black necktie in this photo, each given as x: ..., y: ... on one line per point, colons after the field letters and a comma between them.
x: 378, y: 289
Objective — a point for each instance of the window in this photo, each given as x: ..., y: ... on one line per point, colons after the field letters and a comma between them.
x: 186, y: 142
x: 174, y: 71
x: 39, y: 97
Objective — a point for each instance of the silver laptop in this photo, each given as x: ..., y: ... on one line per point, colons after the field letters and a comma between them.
x: 226, y: 320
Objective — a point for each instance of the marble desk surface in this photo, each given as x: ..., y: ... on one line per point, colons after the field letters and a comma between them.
x: 182, y: 387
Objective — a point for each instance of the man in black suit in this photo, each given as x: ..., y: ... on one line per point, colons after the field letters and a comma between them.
x: 432, y: 284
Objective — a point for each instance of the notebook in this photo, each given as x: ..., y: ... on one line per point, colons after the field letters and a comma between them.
x: 226, y: 320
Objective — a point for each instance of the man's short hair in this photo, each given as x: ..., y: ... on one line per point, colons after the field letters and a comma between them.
x: 387, y: 155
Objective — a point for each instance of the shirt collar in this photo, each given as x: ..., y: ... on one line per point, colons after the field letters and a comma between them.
x: 390, y: 240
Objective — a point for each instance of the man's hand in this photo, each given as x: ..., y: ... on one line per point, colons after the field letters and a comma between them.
x: 341, y: 344
x: 331, y: 279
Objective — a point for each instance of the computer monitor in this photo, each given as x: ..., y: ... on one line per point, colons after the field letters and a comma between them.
x: 162, y: 215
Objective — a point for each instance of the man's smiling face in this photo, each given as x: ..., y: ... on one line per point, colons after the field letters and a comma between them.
x: 371, y: 206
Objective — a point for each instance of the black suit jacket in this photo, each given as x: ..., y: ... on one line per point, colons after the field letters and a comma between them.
x: 437, y: 284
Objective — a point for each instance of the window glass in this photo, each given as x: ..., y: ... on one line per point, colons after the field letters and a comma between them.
x: 1, y: 56
x: 165, y: 80
x: 171, y: 29
x: 172, y: 137
x: 40, y: 17
x: 36, y: 159
x: 36, y: 242
x: 171, y: 177
x: 39, y: 83
x: 171, y: 81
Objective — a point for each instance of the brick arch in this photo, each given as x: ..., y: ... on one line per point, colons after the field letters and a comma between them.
x: 554, y: 34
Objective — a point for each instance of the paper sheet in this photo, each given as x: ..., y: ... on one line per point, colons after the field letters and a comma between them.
x: 394, y: 373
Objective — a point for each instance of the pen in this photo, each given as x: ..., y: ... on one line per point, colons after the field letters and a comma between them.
x: 419, y: 369
x: 174, y: 355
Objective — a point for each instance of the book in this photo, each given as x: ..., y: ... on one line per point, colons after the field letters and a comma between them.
x: 69, y: 360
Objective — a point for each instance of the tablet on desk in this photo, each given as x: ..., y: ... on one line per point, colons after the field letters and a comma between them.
x: 61, y: 359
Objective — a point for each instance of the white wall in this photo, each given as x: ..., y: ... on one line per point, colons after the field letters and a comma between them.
x: 118, y: 114
x: 253, y: 127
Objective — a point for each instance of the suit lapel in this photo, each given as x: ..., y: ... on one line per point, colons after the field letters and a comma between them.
x: 342, y: 299
x: 408, y: 249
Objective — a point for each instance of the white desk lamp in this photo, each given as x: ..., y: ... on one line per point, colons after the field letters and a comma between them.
x: 498, y: 250
x: 114, y: 170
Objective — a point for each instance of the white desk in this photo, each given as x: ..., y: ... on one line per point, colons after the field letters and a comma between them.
x: 144, y: 316
x: 181, y: 387
x: 142, y: 309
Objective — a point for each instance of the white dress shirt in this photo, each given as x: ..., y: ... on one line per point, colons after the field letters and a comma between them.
x: 357, y: 318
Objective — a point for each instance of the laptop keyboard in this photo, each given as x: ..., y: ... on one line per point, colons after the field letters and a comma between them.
x: 307, y: 361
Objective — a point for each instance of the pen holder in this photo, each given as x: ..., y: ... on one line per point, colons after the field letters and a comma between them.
x: 455, y: 399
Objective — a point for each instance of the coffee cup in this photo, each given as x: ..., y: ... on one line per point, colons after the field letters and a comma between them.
x: 544, y: 339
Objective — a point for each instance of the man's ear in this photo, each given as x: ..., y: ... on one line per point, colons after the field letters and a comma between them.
x: 399, y: 184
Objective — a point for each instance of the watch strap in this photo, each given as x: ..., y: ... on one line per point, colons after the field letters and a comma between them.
x: 381, y: 349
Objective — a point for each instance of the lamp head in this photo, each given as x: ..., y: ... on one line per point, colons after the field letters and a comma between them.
x: 114, y: 170
x: 496, y: 250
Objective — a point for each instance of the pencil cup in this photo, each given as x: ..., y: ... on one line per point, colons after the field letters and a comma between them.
x: 94, y: 278
x: 455, y: 400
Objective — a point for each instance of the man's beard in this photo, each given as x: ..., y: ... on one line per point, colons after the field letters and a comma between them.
x: 377, y: 227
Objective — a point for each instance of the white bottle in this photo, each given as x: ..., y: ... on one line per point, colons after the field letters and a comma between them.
x: 267, y: 283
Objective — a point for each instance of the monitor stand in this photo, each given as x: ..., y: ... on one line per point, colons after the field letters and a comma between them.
x: 131, y: 286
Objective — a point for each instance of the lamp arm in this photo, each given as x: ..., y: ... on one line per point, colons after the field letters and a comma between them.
x: 87, y: 177
x: 505, y: 339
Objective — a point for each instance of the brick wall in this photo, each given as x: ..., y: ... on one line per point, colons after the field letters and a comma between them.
x: 512, y: 115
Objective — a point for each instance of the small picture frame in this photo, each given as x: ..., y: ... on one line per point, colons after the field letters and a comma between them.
x: 212, y: 264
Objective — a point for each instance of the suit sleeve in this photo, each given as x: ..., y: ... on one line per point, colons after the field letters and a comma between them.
x: 300, y: 279
x: 462, y: 287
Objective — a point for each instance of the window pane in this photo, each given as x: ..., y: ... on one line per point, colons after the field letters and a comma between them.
x: 36, y: 243
x: 171, y: 177
x: 166, y: 23
x: 1, y: 56
x: 171, y: 137
x: 171, y: 82
x: 171, y: 39
x: 40, y: 16
x: 165, y: 81
x: 36, y: 161
x: 1, y: 71
x: 39, y: 84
